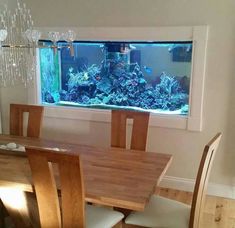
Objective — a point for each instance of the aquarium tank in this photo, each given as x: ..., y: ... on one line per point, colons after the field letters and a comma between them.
x: 142, y: 76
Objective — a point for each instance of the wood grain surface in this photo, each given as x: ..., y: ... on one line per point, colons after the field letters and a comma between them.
x: 113, y: 176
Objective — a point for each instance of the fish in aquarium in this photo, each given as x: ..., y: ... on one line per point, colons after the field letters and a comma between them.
x: 118, y: 75
x: 148, y: 70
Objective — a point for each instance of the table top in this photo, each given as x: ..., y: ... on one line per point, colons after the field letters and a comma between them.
x: 113, y: 176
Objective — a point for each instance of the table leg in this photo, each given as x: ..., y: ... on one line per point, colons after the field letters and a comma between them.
x: 119, y: 225
x: 2, y: 216
x: 124, y: 211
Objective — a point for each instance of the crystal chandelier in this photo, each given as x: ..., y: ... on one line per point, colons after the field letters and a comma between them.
x: 18, y: 43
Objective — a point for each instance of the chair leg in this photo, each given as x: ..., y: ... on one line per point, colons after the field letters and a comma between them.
x: 2, y: 216
x: 19, y: 215
x: 118, y: 225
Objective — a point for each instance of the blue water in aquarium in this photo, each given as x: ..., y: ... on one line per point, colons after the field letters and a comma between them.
x: 145, y: 76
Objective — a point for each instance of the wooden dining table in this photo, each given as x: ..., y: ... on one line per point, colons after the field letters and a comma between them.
x: 115, y: 177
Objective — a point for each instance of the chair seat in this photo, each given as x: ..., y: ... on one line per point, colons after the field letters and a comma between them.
x: 96, y: 217
x: 101, y: 217
x: 161, y: 212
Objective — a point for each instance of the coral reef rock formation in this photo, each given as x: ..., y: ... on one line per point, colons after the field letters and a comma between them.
x: 119, y: 83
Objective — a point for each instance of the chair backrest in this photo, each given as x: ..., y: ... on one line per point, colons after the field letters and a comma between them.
x: 202, y: 180
x: 139, y: 130
x: 34, y: 119
x: 72, y: 212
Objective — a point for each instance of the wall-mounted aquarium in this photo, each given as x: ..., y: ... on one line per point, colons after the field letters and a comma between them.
x: 143, y: 76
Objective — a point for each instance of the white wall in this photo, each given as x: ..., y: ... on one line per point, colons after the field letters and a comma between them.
x: 219, y: 108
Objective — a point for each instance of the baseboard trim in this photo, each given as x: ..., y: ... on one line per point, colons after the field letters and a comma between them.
x: 184, y: 184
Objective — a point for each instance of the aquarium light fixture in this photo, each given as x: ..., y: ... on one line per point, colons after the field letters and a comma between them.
x: 18, y: 43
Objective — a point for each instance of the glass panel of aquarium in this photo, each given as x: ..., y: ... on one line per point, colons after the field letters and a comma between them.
x: 142, y: 76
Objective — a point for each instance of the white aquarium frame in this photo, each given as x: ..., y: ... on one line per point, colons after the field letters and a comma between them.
x: 197, y: 34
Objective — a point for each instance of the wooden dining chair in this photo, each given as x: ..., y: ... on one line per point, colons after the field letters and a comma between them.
x: 73, y: 212
x: 139, y: 130
x: 34, y: 119
x: 163, y: 212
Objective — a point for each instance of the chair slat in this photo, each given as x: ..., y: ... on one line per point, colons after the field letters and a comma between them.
x: 139, y: 130
x: 72, y: 192
x: 46, y: 191
x: 34, y: 119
